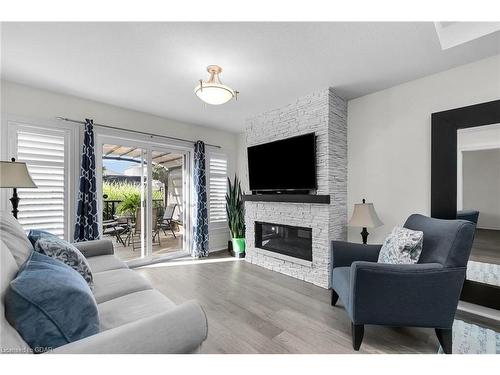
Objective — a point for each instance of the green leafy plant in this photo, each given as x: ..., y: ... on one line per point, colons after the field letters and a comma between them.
x: 235, y: 209
x: 130, y: 204
x: 120, y: 190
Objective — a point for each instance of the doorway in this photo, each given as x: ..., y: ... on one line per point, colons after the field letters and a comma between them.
x: 145, y: 190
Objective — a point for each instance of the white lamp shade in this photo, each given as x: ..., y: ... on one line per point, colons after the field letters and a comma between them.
x: 364, y: 215
x: 213, y: 93
x: 15, y: 174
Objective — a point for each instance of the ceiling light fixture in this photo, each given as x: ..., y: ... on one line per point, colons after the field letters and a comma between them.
x: 213, y: 91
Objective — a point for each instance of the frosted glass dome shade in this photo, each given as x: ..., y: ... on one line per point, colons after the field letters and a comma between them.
x: 213, y: 91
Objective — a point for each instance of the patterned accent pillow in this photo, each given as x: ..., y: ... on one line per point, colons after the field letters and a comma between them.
x: 65, y: 252
x: 402, y: 246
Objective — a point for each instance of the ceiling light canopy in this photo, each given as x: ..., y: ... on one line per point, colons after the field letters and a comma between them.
x: 213, y: 91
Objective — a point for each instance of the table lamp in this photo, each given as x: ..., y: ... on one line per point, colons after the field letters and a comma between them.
x: 14, y: 174
x: 364, y: 216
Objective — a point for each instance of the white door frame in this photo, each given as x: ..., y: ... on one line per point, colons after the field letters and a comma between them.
x: 105, y: 136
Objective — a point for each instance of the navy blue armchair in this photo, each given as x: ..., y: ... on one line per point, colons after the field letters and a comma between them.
x: 425, y: 294
x: 471, y: 215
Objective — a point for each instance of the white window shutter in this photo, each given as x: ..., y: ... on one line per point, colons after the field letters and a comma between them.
x: 217, y: 187
x: 43, y: 207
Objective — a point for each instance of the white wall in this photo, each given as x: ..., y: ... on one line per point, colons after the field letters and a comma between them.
x: 389, y: 139
x: 481, y: 186
x: 242, y: 162
x: 36, y: 103
x: 29, y: 102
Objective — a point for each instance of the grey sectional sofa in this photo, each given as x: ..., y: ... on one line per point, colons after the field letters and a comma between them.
x: 134, y: 317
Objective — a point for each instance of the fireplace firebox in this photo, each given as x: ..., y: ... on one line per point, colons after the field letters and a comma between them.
x: 288, y: 240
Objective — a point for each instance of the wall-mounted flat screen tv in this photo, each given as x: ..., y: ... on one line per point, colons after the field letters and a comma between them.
x: 285, y: 165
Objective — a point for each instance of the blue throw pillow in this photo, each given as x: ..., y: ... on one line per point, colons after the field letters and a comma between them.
x: 35, y: 234
x: 50, y: 304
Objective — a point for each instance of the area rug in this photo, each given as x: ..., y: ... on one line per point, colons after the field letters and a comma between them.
x: 473, y: 339
x: 483, y: 272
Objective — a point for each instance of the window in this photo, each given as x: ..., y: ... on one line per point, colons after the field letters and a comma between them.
x: 217, y: 188
x: 45, y: 153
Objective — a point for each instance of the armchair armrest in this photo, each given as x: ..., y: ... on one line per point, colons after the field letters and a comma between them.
x: 418, y: 295
x: 95, y: 248
x: 177, y: 331
x: 344, y: 253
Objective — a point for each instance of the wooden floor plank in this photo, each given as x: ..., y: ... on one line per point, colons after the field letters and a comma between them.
x: 254, y: 310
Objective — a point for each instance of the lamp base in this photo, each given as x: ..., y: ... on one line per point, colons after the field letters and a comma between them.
x: 364, y: 235
x: 15, y: 203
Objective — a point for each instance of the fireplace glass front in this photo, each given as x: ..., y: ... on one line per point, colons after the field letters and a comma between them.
x: 288, y: 240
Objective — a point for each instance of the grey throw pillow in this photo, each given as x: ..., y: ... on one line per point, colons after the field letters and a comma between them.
x: 402, y: 246
x: 65, y: 252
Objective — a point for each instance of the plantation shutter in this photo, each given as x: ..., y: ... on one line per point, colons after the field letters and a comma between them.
x: 217, y: 187
x: 43, y: 207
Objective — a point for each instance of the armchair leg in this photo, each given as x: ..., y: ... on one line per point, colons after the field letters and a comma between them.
x: 335, y: 297
x: 445, y: 339
x: 358, y: 331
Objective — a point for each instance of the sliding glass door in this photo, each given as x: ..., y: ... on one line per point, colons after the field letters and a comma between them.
x: 124, y: 197
x: 169, y: 201
x: 145, y: 192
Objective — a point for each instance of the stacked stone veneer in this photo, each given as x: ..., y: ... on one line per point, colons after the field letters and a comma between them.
x: 325, y: 114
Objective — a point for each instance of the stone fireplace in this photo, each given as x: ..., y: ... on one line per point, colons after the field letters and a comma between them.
x: 294, y: 238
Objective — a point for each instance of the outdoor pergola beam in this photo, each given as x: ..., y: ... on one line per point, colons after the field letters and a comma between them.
x: 121, y: 159
x: 128, y: 152
x: 112, y: 150
x: 167, y: 161
x: 138, y: 161
x: 162, y: 155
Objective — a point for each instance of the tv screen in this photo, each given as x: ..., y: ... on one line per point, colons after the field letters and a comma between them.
x: 288, y: 164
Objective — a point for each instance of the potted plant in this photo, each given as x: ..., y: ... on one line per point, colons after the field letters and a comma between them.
x: 235, y: 210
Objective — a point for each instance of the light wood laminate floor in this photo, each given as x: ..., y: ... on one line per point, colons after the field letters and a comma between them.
x: 254, y: 310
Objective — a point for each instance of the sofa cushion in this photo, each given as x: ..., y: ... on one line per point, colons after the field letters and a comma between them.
x: 9, y: 267
x: 132, y: 307
x: 50, y: 304
x: 117, y: 283
x: 10, y: 340
x: 341, y: 283
x: 402, y: 246
x: 14, y: 237
x: 65, y: 252
x: 103, y: 263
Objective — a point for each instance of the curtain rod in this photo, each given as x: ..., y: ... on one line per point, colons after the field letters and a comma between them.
x: 134, y: 131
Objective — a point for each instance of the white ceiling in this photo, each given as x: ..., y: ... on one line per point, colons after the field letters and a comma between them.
x: 153, y: 67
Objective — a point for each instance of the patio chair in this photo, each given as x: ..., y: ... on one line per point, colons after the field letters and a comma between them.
x: 113, y: 228
x: 137, y: 228
x: 167, y: 223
